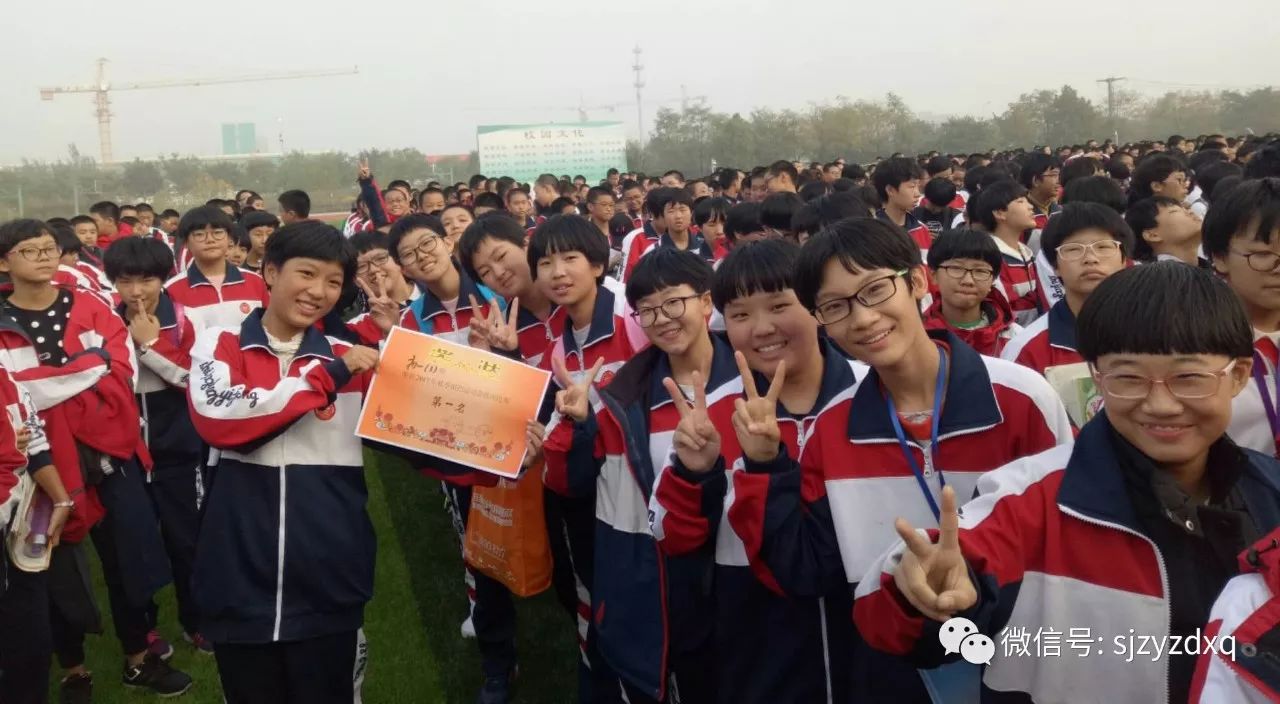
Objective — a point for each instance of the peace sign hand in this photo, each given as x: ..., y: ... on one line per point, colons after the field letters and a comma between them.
x: 696, y: 439
x: 384, y: 311
x: 363, y: 173
x: 574, y: 399
x: 934, y: 578
x: 755, y: 418
x: 498, y: 333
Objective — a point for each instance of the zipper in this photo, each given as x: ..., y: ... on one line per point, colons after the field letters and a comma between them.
x: 826, y: 646
x: 1164, y: 577
x: 146, y: 429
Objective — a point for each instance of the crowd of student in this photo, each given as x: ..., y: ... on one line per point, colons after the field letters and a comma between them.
x: 765, y: 384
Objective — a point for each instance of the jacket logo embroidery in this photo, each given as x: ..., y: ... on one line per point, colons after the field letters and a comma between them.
x: 218, y: 398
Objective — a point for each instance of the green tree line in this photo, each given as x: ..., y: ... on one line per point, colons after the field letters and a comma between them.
x: 691, y: 139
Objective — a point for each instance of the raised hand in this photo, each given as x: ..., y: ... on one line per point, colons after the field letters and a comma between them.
x: 696, y: 439
x: 384, y: 311
x: 363, y: 173
x: 755, y: 418
x: 144, y: 327
x: 573, y: 400
x: 533, y: 433
x: 934, y: 578
x: 360, y: 359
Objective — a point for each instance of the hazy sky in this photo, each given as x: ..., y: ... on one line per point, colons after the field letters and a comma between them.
x: 431, y: 70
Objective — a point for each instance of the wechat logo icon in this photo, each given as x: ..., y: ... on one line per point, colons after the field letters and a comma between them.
x: 960, y: 635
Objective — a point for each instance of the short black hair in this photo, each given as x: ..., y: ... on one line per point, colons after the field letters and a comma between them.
x: 666, y: 267
x: 679, y: 196
x: 940, y: 191
x: 893, y: 173
x: 495, y: 225
x: 137, y: 256
x: 599, y: 191
x: 106, y: 209
x: 407, y: 224
x: 1095, y: 189
x: 853, y: 172
x: 655, y: 201
x: 777, y: 209
x: 1075, y: 217
x: 170, y: 213
x: 15, y: 232
x: 1251, y: 208
x: 1265, y: 162
x: 857, y: 243
x: 764, y: 266
x: 709, y: 209
x: 239, y: 237
x: 1153, y: 168
x: 487, y: 199
x: 993, y: 197
x: 82, y: 220
x: 144, y: 208
x: 369, y: 240
x: 673, y: 172
x: 1211, y: 175
x: 1145, y: 215
x: 1163, y: 308
x: 297, y: 202
x: 568, y: 233
x: 65, y: 236
x: 311, y: 239
x: 259, y: 218
x: 1035, y: 166
x: 1080, y: 167
x: 400, y: 183
x: 784, y: 167
x: 202, y: 217
x: 742, y: 219
x: 936, y: 165
x: 813, y: 190
x: 965, y: 243
x: 629, y: 185
x: 725, y: 178
x: 841, y: 205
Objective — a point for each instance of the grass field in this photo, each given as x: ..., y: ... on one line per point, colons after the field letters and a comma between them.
x: 416, y: 651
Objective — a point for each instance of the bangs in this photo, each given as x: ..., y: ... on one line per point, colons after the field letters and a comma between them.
x: 202, y: 217
x: 859, y: 244
x: 1164, y: 308
x: 765, y: 266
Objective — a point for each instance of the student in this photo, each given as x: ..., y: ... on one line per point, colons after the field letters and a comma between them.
x: 1240, y: 237
x: 600, y: 208
x: 897, y: 183
x: 26, y: 465
x: 87, y: 232
x: 455, y: 219
x: 677, y: 215
x: 213, y: 291
x: 1164, y: 229
x: 770, y: 648
x: 567, y: 258
x: 1040, y: 175
x: 639, y: 241
x: 1002, y: 209
x: 1159, y: 175
x: 417, y: 244
x: 163, y: 337
x: 1153, y: 484
x: 633, y: 203
x: 261, y: 225
x: 431, y: 201
x: 282, y: 582
x: 168, y: 223
x: 709, y: 216
x: 965, y: 264
x: 238, y: 245
x: 742, y: 225
x: 931, y: 413
x: 72, y: 270
x: 72, y: 353
x: 776, y: 213
x: 1085, y: 243
x: 936, y: 209
x: 295, y: 206
x: 486, y: 202
x: 518, y: 206
x: 378, y: 269
x: 656, y: 631
x: 782, y: 177
x: 106, y: 215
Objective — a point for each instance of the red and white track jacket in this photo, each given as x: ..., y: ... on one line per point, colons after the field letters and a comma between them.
x: 224, y: 306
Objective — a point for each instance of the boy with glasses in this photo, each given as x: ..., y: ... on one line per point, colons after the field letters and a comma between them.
x: 965, y: 264
x: 213, y: 291
x: 1128, y: 534
x: 1240, y: 236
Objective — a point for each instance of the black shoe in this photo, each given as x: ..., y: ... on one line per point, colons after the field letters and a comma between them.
x: 76, y: 689
x: 496, y: 690
x: 156, y: 675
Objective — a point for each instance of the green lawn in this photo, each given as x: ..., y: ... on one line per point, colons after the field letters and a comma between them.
x: 416, y: 651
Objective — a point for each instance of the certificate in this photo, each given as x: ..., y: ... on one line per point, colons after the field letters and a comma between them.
x: 450, y: 401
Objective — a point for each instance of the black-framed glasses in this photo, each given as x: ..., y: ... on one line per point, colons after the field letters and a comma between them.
x: 35, y: 254
x: 604, y: 204
x: 1260, y: 261
x: 1102, y: 249
x: 980, y: 276
x: 425, y: 247
x: 672, y: 308
x: 872, y: 294
x: 208, y: 235
x: 374, y: 262
x: 1183, y: 385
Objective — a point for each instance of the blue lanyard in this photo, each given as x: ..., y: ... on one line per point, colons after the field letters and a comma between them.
x: 1260, y: 378
x: 938, y: 392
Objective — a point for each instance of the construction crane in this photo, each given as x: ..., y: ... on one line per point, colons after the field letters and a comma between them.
x: 102, y: 90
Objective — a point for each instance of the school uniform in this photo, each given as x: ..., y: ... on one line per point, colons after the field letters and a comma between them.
x: 697, y: 245
x: 770, y: 648
x: 1018, y: 281
x: 990, y: 338
x: 819, y: 520
x: 210, y: 306
x: 614, y: 337
x: 1090, y: 537
x: 284, y: 561
x: 1254, y: 422
x: 634, y: 245
x: 917, y: 230
x: 1048, y: 342
x: 650, y: 612
x: 177, y: 481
